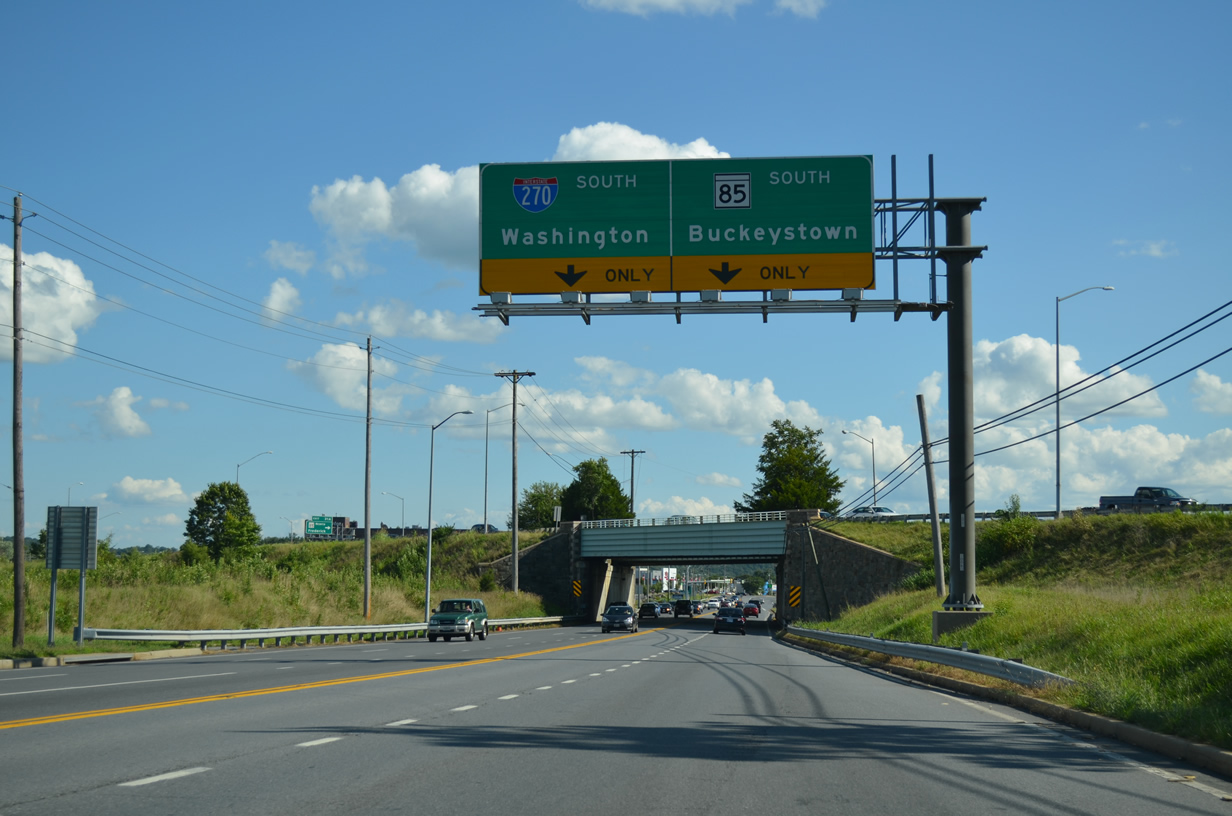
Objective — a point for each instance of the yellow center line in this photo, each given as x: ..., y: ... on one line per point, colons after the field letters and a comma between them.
x: 235, y: 695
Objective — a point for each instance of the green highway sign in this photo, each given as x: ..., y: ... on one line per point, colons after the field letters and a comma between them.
x: 319, y: 526
x: 677, y: 226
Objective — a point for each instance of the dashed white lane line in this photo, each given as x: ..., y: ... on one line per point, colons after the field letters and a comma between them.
x: 626, y: 665
x: 596, y: 674
x: 543, y: 688
x: 609, y: 670
x: 366, y: 651
x: 312, y: 743
x: 508, y: 697
x: 397, y: 723
x: 567, y: 682
x: 280, y: 668
x: 464, y: 708
x: 149, y: 780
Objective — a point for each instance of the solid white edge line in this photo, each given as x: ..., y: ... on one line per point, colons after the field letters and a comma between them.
x: 312, y: 743
x: 149, y: 780
x: 124, y: 683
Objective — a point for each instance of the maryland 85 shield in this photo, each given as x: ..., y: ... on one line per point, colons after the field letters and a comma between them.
x: 535, y: 194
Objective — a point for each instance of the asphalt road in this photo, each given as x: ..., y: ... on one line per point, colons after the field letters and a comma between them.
x: 674, y: 719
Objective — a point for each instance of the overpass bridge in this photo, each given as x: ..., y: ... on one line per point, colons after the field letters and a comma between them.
x: 588, y: 565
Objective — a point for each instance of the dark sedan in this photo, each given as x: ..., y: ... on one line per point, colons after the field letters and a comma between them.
x: 729, y: 617
x: 619, y: 616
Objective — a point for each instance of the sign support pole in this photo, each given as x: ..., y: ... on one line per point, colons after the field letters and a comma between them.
x: 958, y: 255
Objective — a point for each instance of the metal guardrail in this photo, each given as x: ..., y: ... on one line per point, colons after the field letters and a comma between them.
x: 293, y: 633
x: 1010, y: 670
x: 773, y: 515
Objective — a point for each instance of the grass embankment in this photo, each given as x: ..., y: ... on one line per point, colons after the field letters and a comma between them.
x: 294, y: 584
x: 1136, y: 609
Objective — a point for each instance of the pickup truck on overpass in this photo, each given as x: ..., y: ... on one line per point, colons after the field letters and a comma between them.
x: 1146, y: 499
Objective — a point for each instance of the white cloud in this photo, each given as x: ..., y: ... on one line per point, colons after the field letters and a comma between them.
x: 801, y: 8
x: 1151, y: 249
x: 1018, y: 371
x: 115, y: 413
x: 341, y: 373
x: 282, y: 300
x: 435, y: 209
x: 741, y: 408
x: 614, y: 372
x: 1214, y: 395
x: 612, y: 141
x: 165, y: 520
x: 680, y: 506
x: 162, y: 403
x: 398, y: 319
x: 438, y: 210
x: 718, y: 479
x: 150, y: 491
x: 290, y: 256
x: 57, y: 302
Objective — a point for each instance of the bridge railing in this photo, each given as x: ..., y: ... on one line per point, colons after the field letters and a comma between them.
x: 776, y: 515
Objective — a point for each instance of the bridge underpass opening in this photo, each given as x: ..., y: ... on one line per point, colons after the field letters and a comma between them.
x: 613, y: 550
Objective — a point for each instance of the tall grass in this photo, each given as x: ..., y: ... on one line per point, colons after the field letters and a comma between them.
x: 1137, y: 609
x: 301, y: 584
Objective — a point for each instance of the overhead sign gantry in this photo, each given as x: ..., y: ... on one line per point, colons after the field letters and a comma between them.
x: 685, y: 225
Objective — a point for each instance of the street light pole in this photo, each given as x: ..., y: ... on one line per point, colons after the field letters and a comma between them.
x: 399, y: 498
x: 246, y: 461
x: 486, y: 420
x: 431, y: 457
x: 70, y: 496
x: 874, y: 446
x: 1057, y: 398
x: 290, y: 526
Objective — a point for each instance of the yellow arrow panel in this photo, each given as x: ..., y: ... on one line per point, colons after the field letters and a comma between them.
x: 753, y: 273
x: 545, y: 276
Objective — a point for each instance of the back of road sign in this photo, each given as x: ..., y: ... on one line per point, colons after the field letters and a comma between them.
x: 676, y: 226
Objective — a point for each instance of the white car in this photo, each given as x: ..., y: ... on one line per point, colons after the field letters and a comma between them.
x: 873, y: 512
x: 713, y: 603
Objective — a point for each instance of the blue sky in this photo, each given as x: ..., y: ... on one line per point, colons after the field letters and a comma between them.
x: 194, y: 167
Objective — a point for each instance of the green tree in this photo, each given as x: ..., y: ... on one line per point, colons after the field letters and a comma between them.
x: 595, y: 493
x: 222, y: 522
x: 795, y: 472
x: 535, y: 511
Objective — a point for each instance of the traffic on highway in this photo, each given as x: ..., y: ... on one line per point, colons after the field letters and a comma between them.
x: 553, y: 720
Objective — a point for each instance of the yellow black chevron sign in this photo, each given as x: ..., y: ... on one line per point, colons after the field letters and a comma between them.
x: 577, y: 588
x: 793, y: 596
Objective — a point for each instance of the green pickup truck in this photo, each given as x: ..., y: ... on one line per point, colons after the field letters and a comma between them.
x: 466, y: 617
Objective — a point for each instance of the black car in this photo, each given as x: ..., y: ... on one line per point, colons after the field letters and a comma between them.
x: 683, y: 607
x: 729, y: 617
x: 648, y: 610
x: 619, y: 616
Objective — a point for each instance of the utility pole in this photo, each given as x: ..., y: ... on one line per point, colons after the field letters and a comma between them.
x: 368, y: 495
x: 19, y: 488
x: 632, y: 454
x: 513, y: 377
